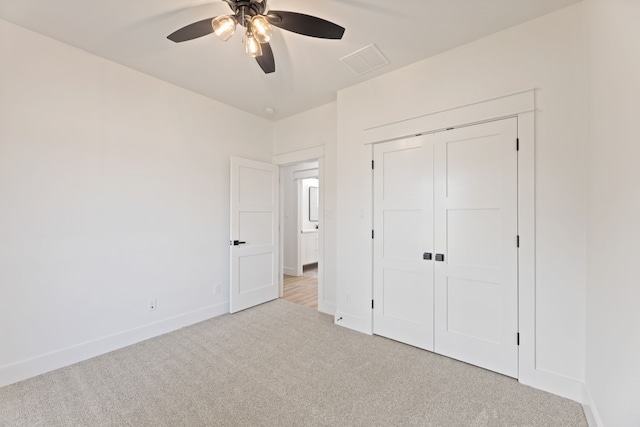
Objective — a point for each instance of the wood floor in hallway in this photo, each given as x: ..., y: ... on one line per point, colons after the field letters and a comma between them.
x: 303, y: 290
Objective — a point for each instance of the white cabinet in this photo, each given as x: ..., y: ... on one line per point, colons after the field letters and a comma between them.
x: 309, y: 247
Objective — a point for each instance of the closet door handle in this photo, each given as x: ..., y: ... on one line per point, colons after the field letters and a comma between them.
x: 427, y: 256
x: 238, y: 242
x: 440, y: 257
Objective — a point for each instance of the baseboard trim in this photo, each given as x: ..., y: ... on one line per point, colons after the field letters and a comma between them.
x: 590, y: 411
x: 559, y: 385
x: 39, y: 365
x: 352, y: 322
x: 327, y: 308
x: 289, y: 271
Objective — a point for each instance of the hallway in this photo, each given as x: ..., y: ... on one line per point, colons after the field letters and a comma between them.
x: 303, y: 290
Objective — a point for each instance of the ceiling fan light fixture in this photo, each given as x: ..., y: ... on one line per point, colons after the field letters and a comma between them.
x: 224, y: 26
x: 261, y: 28
x: 252, y: 45
x: 259, y: 21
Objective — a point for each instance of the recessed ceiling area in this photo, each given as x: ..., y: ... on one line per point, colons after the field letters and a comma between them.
x: 308, y: 70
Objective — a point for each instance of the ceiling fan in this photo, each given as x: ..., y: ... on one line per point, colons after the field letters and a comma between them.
x: 254, y: 16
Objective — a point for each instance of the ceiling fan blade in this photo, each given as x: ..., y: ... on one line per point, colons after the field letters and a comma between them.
x: 306, y: 25
x: 192, y: 31
x: 266, y: 60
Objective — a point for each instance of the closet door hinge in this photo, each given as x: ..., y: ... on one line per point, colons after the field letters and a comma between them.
x: 518, y: 338
x: 373, y: 234
x: 518, y: 241
x: 371, y: 304
x: 372, y: 164
x: 517, y: 144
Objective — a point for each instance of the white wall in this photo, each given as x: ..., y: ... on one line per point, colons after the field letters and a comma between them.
x: 613, y: 284
x: 313, y: 128
x: 317, y: 128
x: 547, y: 54
x: 114, y: 189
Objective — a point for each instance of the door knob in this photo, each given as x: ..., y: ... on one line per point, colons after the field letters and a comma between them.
x: 427, y: 256
x: 238, y: 242
x: 440, y: 257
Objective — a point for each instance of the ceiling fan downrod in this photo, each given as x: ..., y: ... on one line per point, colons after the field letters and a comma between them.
x: 244, y: 10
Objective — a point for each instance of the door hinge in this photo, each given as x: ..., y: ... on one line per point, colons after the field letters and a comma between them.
x: 373, y: 234
x: 518, y: 338
x: 372, y: 164
x: 517, y: 144
x: 518, y: 241
x: 371, y: 304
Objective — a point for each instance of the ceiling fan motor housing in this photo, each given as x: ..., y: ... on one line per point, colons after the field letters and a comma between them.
x: 246, y: 9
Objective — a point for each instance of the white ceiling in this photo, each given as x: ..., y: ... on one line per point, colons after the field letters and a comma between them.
x: 308, y: 71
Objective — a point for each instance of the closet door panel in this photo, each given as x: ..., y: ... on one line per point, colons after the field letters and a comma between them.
x: 476, y: 288
x: 403, y: 224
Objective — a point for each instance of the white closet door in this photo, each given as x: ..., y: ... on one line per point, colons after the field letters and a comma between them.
x: 403, y: 224
x: 476, y: 284
x: 254, y: 233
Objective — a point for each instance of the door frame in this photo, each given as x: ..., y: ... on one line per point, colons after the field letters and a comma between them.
x: 298, y: 192
x: 287, y: 159
x: 299, y: 187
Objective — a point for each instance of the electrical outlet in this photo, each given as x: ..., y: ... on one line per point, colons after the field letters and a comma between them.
x: 153, y: 304
x: 216, y: 288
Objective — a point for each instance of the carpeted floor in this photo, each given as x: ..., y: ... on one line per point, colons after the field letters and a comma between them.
x: 278, y: 364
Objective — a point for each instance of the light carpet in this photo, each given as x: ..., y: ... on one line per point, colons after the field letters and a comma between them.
x: 278, y: 364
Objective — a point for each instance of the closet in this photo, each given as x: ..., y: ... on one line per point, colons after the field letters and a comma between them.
x: 446, y: 244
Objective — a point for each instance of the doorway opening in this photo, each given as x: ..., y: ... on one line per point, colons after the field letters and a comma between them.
x: 301, y: 223
x: 303, y: 290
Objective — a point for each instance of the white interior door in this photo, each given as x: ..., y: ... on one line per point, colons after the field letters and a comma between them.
x: 403, y: 224
x: 254, y: 233
x: 299, y: 243
x: 476, y: 282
